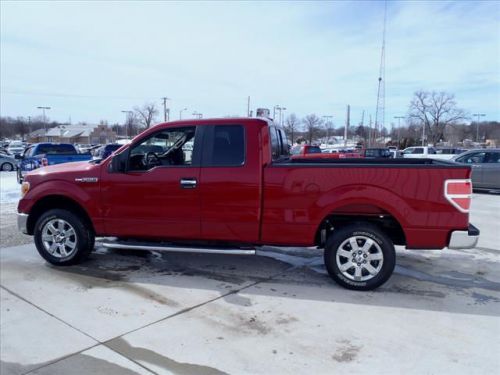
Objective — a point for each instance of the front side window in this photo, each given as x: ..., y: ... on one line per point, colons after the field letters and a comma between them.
x: 169, y: 147
x: 313, y: 150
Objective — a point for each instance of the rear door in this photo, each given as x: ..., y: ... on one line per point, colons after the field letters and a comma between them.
x: 491, y: 170
x: 230, y: 183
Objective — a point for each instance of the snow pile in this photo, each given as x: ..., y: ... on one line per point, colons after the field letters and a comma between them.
x: 10, y: 190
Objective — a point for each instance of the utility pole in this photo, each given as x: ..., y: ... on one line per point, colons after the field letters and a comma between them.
x: 327, y: 122
x: 44, y: 118
x: 399, y: 127
x: 478, y: 115
x: 348, y: 119
x: 166, y: 111
x: 127, y: 122
x: 248, y: 107
x: 380, y: 110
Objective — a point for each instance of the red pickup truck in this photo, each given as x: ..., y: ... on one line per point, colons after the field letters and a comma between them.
x: 229, y: 186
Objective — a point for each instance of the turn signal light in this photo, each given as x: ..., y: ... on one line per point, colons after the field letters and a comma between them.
x: 25, y: 187
x: 459, y: 194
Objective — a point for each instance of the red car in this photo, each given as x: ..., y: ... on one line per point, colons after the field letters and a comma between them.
x: 314, y: 152
x: 229, y: 185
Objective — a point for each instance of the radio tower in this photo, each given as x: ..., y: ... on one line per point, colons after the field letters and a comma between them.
x: 380, y: 110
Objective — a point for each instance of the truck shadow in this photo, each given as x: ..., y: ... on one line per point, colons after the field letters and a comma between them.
x: 457, y: 282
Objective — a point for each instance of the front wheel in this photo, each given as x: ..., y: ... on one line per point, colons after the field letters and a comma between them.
x: 7, y: 167
x: 360, y: 256
x: 62, y: 238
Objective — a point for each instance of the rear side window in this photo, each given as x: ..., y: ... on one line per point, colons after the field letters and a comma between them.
x: 228, y: 146
x: 313, y: 150
x: 492, y: 157
x: 279, y: 144
x: 418, y: 150
x: 56, y: 149
x: 473, y: 158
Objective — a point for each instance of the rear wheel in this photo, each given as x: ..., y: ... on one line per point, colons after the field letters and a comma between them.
x: 7, y: 167
x: 62, y: 238
x: 360, y: 256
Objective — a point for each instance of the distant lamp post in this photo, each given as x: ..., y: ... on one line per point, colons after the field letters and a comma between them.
x: 62, y: 128
x: 399, y: 126
x: 44, y: 119
x: 180, y: 113
x: 328, y: 121
x: 478, y: 115
x: 281, y: 109
x: 128, y: 114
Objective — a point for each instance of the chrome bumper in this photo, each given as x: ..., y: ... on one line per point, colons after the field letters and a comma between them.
x: 464, y: 239
x: 22, y: 221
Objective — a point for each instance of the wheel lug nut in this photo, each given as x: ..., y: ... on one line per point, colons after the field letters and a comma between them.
x: 364, y: 261
x: 365, y: 255
x: 359, y: 264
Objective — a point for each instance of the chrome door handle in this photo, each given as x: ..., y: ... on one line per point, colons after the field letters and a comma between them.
x: 188, y: 183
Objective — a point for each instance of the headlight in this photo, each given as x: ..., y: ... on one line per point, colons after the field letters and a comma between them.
x: 25, y: 187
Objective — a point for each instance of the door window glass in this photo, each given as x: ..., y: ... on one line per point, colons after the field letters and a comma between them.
x: 169, y: 147
x: 474, y: 158
x: 228, y: 147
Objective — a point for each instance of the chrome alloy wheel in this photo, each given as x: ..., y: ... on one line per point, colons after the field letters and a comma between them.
x: 359, y: 258
x: 59, y: 238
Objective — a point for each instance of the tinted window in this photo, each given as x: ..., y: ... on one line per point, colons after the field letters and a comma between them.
x: 228, y: 146
x: 492, y: 157
x: 56, y: 149
x: 418, y: 150
x: 475, y: 157
x: 313, y: 150
x: 285, y: 147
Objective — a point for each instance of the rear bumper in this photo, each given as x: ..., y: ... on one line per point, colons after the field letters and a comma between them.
x: 464, y: 239
x: 22, y: 222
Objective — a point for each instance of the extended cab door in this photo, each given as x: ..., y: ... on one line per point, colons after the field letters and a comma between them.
x: 230, y: 183
x: 158, y: 195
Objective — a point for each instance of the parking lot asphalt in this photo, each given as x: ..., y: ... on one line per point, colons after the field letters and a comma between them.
x: 278, y: 313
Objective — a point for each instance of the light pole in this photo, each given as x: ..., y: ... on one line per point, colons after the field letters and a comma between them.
x: 327, y: 122
x: 274, y: 111
x: 478, y: 115
x: 399, y: 126
x: 128, y: 114
x: 180, y: 113
x: 281, y: 109
x: 44, y: 118
x: 166, y: 111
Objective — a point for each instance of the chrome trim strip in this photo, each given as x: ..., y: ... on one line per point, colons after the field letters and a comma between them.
x: 86, y: 179
x: 180, y: 249
x: 22, y: 221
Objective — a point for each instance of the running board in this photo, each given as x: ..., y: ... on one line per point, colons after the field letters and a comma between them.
x: 129, y: 245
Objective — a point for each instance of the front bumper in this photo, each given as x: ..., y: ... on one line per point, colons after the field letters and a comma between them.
x: 461, y: 239
x: 22, y: 222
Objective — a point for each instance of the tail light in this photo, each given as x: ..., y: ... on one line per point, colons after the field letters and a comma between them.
x: 45, y: 162
x: 459, y: 194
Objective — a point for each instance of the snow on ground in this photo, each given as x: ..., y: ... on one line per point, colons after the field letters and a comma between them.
x: 10, y: 190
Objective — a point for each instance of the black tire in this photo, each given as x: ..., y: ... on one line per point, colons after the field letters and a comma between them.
x: 362, y: 233
x: 7, y: 167
x: 83, y: 236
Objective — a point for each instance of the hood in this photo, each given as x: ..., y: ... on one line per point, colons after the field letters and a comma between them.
x: 65, y: 171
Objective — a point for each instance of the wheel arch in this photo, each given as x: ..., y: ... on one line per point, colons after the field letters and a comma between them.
x: 56, y: 201
x: 353, y: 212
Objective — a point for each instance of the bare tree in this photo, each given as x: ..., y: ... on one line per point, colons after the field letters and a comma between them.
x: 147, y: 114
x: 434, y: 111
x: 312, y: 124
x: 292, y: 124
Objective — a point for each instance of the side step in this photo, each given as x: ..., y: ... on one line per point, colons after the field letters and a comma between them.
x: 154, y: 246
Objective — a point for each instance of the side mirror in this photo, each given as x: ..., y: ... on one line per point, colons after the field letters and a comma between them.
x: 118, y: 163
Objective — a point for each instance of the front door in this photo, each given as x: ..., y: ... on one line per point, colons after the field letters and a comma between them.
x: 157, y: 196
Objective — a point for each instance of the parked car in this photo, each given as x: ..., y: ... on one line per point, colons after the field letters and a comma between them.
x: 16, y: 147
x: 104, y: 151
x: 8, y: 162
x: 44, y: 154
x: 418, y: 152
x: 485, y: 167
x: 238, y: 189
x: 377, y: 153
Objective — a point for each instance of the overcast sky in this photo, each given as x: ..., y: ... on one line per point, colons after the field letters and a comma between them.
x: 91, y: 60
